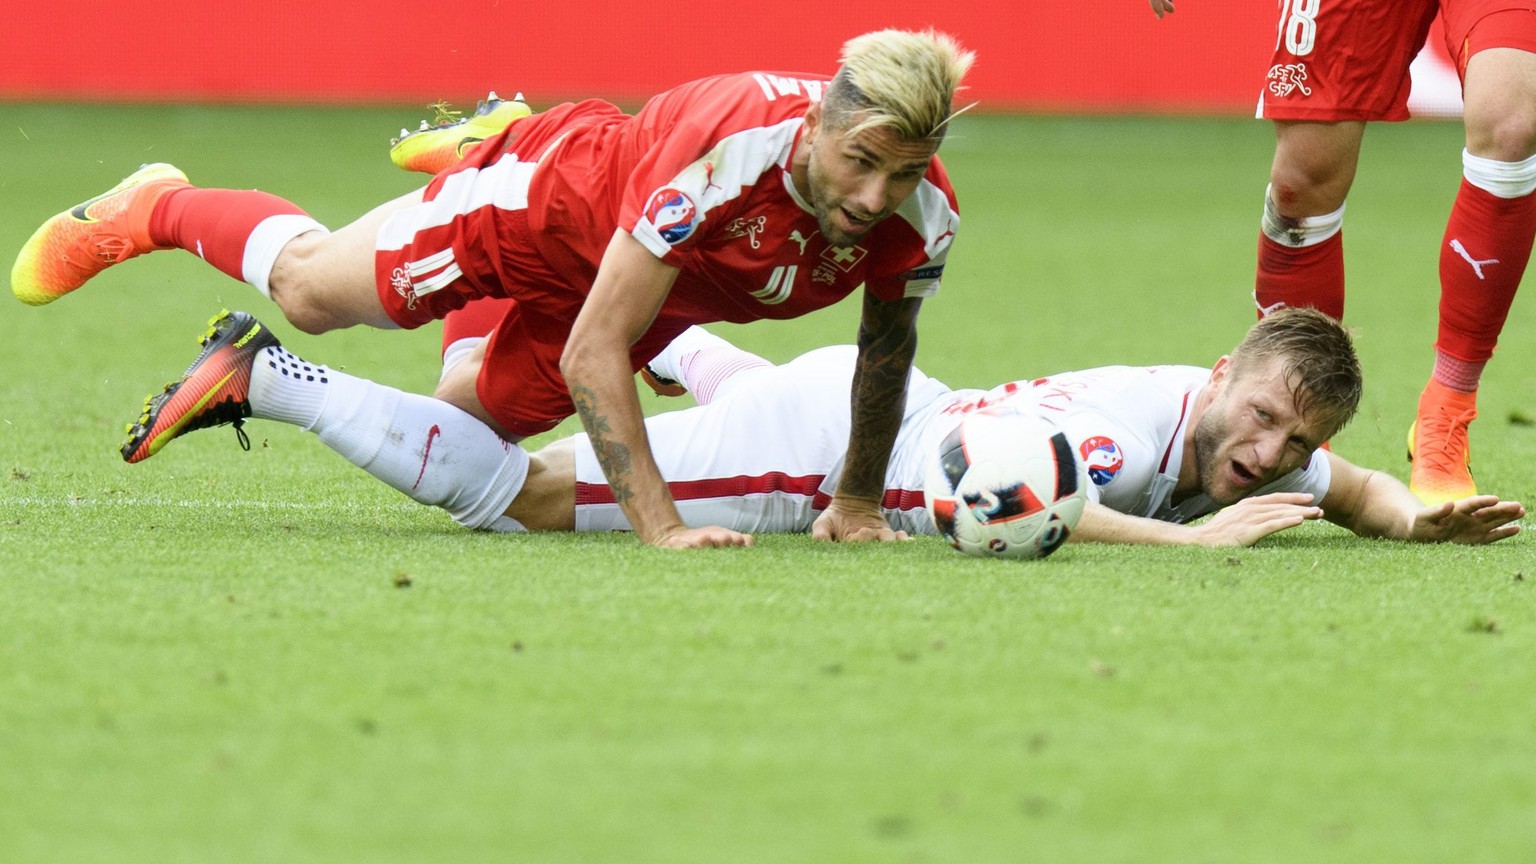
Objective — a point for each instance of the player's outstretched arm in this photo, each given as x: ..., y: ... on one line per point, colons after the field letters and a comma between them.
x: 630, y: 287
x: 1162, y: 7
x: 887, y: 344
x: 1242, y: 524
x: 1373, y: 504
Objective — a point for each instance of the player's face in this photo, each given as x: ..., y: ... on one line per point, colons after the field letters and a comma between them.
x: 856, y: 180
x: 1251, y: 433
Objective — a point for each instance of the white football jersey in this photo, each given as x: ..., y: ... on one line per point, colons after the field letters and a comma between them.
x: 767, y: 453
x: 1127, y: 426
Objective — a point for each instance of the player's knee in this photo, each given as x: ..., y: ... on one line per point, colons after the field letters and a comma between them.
x: 304, y: 314
x: 1308, y: 188
x: 1505, y: 137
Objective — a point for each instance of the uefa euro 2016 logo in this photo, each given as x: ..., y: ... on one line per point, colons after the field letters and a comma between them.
x: 672, y: 214
x: 1101, y: 456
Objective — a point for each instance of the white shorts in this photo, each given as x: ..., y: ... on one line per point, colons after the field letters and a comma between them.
x: 766, y: 454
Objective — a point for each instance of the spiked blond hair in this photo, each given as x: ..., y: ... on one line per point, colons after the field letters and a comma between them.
x: 897, y: 78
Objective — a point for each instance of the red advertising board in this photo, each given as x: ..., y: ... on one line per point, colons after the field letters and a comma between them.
x: 1102, y: 57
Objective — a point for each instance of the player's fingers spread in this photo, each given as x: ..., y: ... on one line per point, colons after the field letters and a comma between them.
x: 1502, y: 509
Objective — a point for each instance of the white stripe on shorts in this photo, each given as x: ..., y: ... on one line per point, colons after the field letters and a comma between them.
x: 503, y: 185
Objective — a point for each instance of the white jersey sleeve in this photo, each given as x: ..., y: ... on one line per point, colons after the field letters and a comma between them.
x: 1123, y: 422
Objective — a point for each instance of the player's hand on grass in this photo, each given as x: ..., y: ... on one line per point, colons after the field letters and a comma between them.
x: 1162, y: 7
x: 1252, y: 519
x: 709, y: 537
x: 1472, y: 521
x: 854, y: 520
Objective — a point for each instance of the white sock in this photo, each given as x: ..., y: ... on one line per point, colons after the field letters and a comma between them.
x: 1503, y: 179
x: 267, y: 242
x: 424, y: 447
x: 458, y: 351
x: 704, y: 363
x: 1306, y: 231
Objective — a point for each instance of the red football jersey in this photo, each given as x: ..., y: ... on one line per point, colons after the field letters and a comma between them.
x: 700, y: 176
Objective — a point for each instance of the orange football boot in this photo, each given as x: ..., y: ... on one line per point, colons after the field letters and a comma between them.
x: 91, y: 236
x: 1438, y: 446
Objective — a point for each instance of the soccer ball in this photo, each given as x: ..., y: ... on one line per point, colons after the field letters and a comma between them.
x: 1006, y: 484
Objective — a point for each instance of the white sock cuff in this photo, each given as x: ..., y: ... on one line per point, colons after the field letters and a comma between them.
x: 712, y: 372
x: 267, y: 242
x: 457, y: 351
x: 488, y: 512
x: 289, y: 389
x: 507, y: 525
x: 669, y: 363
x: 1500, y: 179
x: 1297, y: 233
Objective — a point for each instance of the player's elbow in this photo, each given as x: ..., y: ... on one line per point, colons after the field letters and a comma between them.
x: 575, y: 358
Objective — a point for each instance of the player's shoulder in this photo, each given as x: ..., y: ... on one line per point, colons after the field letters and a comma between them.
x: 1154, y: 381
x: 744, y: 98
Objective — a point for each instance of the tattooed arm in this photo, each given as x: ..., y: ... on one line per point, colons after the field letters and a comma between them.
x: 630, y: 287
x: 887, y: 344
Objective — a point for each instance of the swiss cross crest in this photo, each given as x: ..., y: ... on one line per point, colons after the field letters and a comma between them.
x: 845, y: 258
x: 1287, y: 78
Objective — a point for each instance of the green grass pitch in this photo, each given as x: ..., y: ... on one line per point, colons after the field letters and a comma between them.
x: 269, y: 657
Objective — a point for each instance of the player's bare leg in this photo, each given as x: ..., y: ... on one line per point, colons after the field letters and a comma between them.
x: 1301, y: 244
x: 1483, y: 257
x: 547, y: 501
x: 326, y: 281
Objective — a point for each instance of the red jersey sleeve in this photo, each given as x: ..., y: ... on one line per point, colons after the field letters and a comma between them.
x: 701, y: 146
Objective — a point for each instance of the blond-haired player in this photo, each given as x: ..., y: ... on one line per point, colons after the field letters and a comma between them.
x: 738, y: 197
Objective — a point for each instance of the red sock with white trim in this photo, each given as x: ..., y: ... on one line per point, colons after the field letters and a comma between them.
x: 1301, y: 262
x: 239, y: 231
x: 1483, y: 257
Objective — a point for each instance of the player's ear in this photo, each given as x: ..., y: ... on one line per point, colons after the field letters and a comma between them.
x: 1222, y: 369
x: 812, y: 119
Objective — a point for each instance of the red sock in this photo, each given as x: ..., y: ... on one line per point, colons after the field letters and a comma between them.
x: 1301, y: 276
x: 214, y: 224
x: 478, y: 318
x: 1482, y: 259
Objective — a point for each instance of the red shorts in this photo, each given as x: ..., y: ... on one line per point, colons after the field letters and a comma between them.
x: 470, y: 239
x: 1348, y: 59
x: 520, y: 382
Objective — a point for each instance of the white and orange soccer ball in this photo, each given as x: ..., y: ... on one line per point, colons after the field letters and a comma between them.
x: 1006, y: 484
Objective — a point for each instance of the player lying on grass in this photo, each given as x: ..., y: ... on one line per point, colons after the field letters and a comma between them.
x: 1164, y: 445
x: 732, y: 198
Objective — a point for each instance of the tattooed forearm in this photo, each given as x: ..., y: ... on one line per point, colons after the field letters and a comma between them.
x: 887, y: 344
x: 612, y: 456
